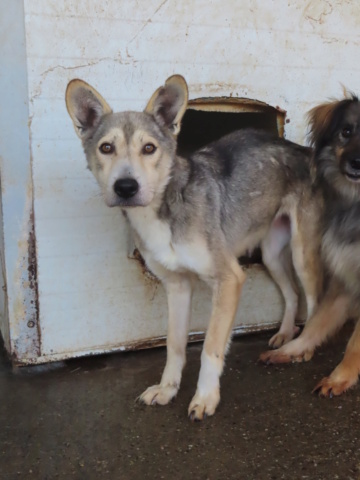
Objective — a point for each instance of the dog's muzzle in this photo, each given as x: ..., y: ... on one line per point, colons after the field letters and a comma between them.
x: 126, y: 187
x: 352, y: 168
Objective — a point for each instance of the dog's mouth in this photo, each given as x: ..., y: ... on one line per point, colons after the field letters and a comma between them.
x: 128, y: 203
x: 352, y: 170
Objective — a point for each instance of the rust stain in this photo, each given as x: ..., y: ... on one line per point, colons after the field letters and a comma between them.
x: 316, y: 12
x: 32, y: 269
x: 149, y: 280
x: 27, y: 309
x: 146, y: 272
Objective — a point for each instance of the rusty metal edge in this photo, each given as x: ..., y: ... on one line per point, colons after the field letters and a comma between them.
x: 5, y: 332
x: 142, y: 345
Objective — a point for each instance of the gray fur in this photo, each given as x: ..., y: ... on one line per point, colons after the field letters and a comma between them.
x: 341, y: 248
x: 233, y: 187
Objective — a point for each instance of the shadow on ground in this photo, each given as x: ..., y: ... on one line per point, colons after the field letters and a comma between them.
x: 80, y: 421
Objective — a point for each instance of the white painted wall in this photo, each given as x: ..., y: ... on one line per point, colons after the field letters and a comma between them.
x: 287, y: 54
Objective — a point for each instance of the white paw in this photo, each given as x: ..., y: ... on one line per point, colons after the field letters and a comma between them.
x: 159, y: 394
x: 202, y: 406
x: 281, y: 338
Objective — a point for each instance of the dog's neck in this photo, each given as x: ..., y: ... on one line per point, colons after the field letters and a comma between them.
x: 173, y: 195
x: 335, y: 198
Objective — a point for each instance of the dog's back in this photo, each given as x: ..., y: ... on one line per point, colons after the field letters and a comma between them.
x: 234, y: 187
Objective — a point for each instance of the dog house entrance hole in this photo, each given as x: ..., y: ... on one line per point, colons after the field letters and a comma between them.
x: 208, y: 119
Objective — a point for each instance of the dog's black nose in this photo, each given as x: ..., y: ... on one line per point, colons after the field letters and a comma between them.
x: 355, y: 163
x: 126, y: 187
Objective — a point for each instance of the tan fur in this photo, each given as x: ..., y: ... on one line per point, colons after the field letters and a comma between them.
x: 319, y: 118
x: 347, y: 372
x: 305, y: 211
x: 305, y: 245
x: 226, y: 296
x: 330, y: 316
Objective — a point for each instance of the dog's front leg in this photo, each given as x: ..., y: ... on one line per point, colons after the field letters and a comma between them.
x: 179, y: 290
x: 329, y: 317
x: 346, y: 374
x: 226, y: 294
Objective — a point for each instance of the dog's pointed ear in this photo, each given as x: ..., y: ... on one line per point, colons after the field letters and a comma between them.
x: 85, y: 106
x: 168, y: 104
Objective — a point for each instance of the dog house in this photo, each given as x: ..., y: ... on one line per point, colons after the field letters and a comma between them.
x: 72, y: 282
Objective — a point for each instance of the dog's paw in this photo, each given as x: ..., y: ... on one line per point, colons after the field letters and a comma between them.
x: 158, y: 394
x: 336, y: 384
x: 294, y: 351
x: 281, y: 338
x: 202, y: 406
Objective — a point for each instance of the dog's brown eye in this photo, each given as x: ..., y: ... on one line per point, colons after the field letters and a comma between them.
x: 346, y: 132
x: 106, y: 148
x: 149, y: 148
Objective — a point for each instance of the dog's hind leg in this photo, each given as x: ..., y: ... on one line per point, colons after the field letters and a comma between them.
x: 226, y: 293
x: 346, y: 374
x: 179, y: 292
x: 305, y: 248
x: 277, y: 258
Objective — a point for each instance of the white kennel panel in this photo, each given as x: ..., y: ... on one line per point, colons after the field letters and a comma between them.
x: 78, y: 292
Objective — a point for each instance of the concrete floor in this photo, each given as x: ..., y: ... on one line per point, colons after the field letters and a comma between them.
x: 80, y: 421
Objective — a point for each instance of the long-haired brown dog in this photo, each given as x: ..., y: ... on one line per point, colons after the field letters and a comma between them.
x: 335, y: 136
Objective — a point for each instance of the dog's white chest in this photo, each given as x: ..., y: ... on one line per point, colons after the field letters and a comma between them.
x: 191, y: 254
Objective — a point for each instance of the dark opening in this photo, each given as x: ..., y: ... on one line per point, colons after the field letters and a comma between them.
x: 207, y: 120
x: 200, y: 127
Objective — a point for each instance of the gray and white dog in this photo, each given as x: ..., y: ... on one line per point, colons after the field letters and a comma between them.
x: 193, y: 217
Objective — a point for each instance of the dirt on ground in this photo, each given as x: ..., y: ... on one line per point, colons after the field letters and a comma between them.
x: 79, y: 420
